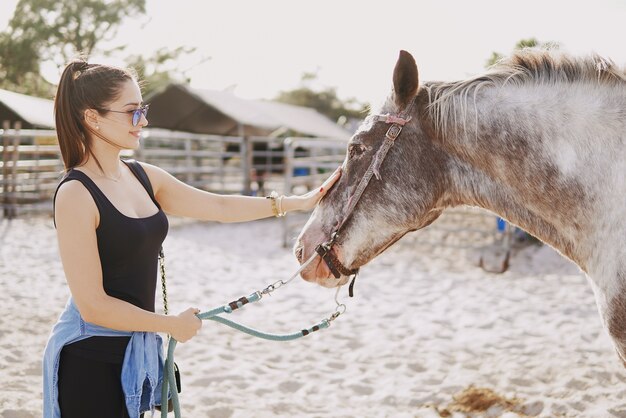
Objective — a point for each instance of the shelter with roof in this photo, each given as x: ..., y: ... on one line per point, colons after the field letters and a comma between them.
x: 32, y: 112
x: 182, y: 108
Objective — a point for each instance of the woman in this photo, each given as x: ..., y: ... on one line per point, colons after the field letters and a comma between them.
x: 103, y: 358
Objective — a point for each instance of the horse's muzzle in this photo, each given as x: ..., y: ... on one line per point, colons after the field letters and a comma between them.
x: 317, y: 271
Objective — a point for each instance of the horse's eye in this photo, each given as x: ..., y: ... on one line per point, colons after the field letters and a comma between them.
x: 355, y: 150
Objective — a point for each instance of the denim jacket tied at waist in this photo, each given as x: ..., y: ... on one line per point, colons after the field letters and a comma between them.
x: 142, y: 370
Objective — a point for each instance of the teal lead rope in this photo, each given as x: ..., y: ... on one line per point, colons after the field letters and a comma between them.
x: 213, y: 315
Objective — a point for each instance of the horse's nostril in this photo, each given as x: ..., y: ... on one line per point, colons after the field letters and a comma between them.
x: 298, y: 253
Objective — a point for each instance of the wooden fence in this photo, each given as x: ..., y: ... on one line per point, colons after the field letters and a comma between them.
x: 30, y: 169
x: 31, y: 165
x: 224, y: 164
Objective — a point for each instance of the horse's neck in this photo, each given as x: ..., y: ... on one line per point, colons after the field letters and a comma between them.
x: 473, y: 187
x: 545, y: 165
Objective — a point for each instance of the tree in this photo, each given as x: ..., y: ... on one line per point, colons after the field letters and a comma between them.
x: 324, y: 101
x: 55, y: 31
x: 521, y: 44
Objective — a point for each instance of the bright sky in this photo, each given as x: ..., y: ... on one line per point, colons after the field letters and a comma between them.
x: 261, y: 47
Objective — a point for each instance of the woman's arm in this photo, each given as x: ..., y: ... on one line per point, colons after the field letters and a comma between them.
x: 180, y: 199
x: 76, y: 218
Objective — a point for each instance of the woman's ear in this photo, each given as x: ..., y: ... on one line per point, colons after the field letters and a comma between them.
x: 91, y: 118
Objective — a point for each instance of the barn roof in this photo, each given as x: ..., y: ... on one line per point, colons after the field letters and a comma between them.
x: 180, y: 107
x: 33, y: 112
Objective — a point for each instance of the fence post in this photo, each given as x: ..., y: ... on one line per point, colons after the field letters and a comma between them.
x: 246, y: 161
x: 17, y: 126
x: 5, y: 168
x: 221, y: 161
x: 188, y: 161
x: 289, y: 151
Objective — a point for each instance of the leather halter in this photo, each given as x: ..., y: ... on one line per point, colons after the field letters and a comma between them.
x: 325, y: 249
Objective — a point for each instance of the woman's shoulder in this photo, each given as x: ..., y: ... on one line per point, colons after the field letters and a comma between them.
x: 74, y: 207
x: 71, y: 187
x: 73, y: 196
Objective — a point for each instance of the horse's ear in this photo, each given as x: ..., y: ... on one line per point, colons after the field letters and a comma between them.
x: 405, y: 79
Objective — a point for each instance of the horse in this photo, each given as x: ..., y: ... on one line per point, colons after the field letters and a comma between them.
x: 538, y: 139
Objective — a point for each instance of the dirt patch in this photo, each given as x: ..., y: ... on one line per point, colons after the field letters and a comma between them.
x: 480, y: 399
x: 473, y: 399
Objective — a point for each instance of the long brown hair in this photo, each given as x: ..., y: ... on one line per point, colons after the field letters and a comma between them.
x: 83, y: 86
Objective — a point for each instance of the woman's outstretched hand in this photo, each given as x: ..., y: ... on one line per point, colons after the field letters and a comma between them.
x: 309, y: 200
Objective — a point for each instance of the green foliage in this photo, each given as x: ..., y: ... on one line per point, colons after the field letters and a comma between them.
x: 527, y: 43
x: 495, y: 57
x: 55, y: 31
x: 521, y: 44
x: 19, y: 67
x: 324, y: 101
x: 61, y: 29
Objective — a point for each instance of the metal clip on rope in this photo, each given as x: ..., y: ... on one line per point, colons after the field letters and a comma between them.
x: 213, y: 315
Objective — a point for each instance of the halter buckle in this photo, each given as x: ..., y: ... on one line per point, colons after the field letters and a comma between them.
x: 393, y: 131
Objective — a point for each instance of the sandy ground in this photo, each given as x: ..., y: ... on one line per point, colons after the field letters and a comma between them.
x: 428, y: 334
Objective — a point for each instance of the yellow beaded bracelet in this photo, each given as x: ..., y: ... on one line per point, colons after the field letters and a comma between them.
x: 275, y: 208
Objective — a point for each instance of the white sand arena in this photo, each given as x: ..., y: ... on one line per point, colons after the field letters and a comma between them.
x: 425, y: 333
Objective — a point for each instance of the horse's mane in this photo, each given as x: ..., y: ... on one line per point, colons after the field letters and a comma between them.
x: 527, y: 66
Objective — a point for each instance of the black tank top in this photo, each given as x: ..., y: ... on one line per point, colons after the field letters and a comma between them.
x: 128, y: 249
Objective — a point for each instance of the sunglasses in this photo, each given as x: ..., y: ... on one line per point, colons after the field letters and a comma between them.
x: 143, y: 110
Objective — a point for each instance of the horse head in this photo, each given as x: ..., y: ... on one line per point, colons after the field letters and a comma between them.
x: 405, y: 192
